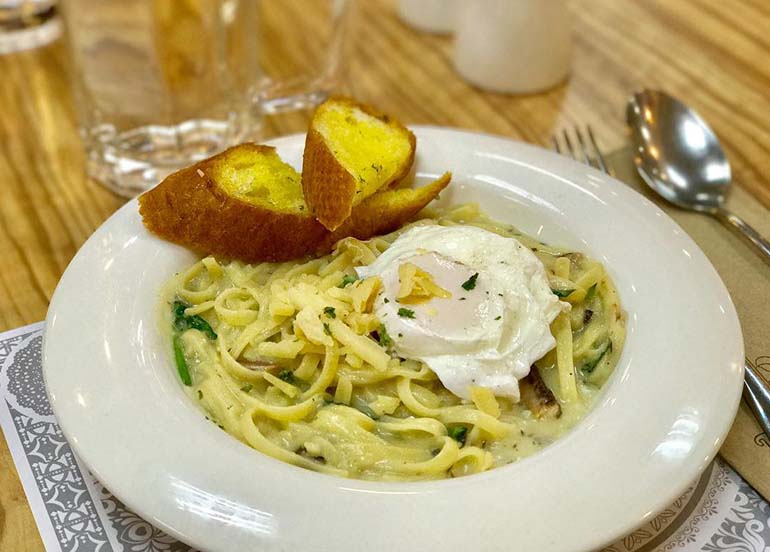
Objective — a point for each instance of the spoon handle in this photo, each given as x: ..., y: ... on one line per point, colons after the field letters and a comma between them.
x: 757, y: 395
x: 744, y: 228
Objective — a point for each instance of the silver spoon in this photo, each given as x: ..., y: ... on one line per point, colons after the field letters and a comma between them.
x: 680, y: 158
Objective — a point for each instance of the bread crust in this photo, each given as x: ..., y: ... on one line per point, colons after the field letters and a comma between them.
x: 190, y: 209
x: 329, y: 189
x: 384, y: 212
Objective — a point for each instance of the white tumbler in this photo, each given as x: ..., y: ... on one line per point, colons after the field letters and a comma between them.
x: 513, y: 46
x: 432, y: 16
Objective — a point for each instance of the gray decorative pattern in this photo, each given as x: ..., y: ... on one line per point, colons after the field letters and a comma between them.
x: 24, y: 379
x: 7, y: 345
x: 135, y: 534
x: 719, y: 512
x: 53, y: 465
x: 746, y: 527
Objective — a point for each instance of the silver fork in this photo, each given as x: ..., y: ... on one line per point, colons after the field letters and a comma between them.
x: 588, y: 153
x: 755, y: 392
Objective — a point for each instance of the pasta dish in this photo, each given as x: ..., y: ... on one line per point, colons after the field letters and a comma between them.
x: 390, y: 359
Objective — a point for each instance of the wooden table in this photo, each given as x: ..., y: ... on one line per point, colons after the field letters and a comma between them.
x: 712, y: 53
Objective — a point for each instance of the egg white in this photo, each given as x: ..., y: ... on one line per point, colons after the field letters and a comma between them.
x: 487, y: 336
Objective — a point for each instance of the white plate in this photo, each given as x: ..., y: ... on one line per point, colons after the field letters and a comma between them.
x: 661, y: 419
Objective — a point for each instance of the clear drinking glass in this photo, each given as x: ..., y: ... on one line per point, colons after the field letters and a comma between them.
x: 162, y: 83
x: 302, y: 49
x: 27, y: 24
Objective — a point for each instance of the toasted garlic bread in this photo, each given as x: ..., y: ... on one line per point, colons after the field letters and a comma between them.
x: 245, y: 203
x: 351, y: 152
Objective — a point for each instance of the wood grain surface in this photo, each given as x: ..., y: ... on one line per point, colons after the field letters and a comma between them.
x: 711, y: 53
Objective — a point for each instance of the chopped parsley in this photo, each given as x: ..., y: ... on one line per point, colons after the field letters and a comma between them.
x: 386, y: 300
x: 200, y: 395
x: 458, y: 433
x: 463, y: 298
x: 383, y: 336
x: 329, y: 311
x: 287, y: 376
x: 498, y: 317
x: 327, y: 331
x: 405, y: 313
x: 562, y: 292
x: 470, y: 283
x: 347, y: 279
x: 246, y: 388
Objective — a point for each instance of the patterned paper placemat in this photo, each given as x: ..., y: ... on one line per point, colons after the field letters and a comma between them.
x: 75, y: 513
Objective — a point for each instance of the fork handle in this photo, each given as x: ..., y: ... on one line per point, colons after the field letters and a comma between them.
x: 733, y: 220
x: 757, y: 395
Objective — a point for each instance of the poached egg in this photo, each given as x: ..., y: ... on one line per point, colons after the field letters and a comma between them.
x: 493, y: 323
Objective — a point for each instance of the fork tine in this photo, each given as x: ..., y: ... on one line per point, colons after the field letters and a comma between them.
x: 569, y: 144
x: 599, y: 157
x: 586, y: 157
x: 589, y: 148
x: 555, y: 142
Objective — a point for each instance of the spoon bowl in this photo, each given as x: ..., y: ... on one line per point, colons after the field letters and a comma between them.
x: 676, y: 153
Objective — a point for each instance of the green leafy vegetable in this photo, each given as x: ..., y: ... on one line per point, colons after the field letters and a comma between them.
x: 178, y: 309
x: 470, y: 283
x: 562, y: 292
x: 327, y: 330
x: 590, y: 365
x: 330, y: 312
x: 181, y: 362
x: 364, y: 409
x: 346, y: 281
x: 182, y: 322
x: 405, y: 313
x: 458, y: 433
x: 246, y: 388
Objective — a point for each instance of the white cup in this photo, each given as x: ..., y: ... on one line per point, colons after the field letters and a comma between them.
x: 514, y: 46
x: 433, y: 16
